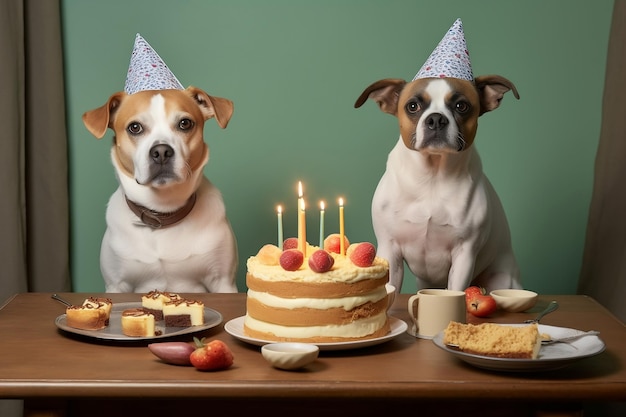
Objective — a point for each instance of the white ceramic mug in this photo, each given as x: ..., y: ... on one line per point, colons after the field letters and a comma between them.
x: 432, y: 309
x: 391, y: 295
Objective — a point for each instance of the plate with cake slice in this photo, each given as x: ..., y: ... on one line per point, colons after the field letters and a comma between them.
x: 481, y: 345
x: 130, y: 318
x: 234, y: 327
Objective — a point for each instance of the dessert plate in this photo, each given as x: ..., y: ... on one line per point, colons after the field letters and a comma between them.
x: 234, y: 327
x: 554, y: 356
x: 113, y: 331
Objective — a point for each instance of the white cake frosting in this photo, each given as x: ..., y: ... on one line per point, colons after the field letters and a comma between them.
x: 357, y: 329
x: 347, y: 303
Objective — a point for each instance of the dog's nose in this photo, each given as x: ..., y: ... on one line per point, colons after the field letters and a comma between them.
x: 161, y: 153
x: 436, y: 121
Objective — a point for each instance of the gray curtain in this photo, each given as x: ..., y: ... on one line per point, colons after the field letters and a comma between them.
x: 603, y: 272
x: 34, y: 230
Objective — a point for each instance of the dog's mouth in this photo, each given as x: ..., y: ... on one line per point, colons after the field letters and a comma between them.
x: 440, y: 142
x: 161, y: 178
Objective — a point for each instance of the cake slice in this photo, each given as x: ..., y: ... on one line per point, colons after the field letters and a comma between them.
x: 93, y: 314
x: 100, y: 303
x: 138, y: 323
x: 183, y: 313
x: 490, y: 339
x: 154, y: 301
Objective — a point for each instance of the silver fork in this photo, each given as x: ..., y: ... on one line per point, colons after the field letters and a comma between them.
x: 569, y: 338
x: 60, y: 300
x: 549, y: 309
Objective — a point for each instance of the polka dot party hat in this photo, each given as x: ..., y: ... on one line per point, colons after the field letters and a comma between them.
x: 147, y: 71
x: 450, y: 58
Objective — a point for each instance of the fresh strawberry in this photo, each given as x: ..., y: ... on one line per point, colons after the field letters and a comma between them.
x: 211, y: 356
x: 482, y: 305
x: 290, y: 243
x: 269, y: 254
x: 321, y: 261
x: 362, y: 254
x: 332, y: 243
x: 291, y: 259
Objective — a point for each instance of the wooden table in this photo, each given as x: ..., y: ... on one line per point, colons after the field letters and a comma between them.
x: 56, y: 372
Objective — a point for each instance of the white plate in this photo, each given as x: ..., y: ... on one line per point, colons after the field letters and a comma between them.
x: 235, y: 328
x: 550, y: 357
x: 114, y: 330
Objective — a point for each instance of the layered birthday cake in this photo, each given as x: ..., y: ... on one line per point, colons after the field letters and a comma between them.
x: 319, y: 296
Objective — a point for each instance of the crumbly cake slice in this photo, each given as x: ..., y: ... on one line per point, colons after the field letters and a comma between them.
x: 490, y: 339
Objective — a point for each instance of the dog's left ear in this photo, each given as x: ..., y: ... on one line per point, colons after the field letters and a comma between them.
x: 211, y: 106
x: 491, y: 89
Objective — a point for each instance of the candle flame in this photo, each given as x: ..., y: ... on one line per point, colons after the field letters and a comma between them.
x: 300, y: 189
x: 279, y: 209
x: 321, y: 205
x: 341, y: 201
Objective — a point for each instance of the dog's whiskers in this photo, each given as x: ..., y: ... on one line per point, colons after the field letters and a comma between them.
x: 460, y: 142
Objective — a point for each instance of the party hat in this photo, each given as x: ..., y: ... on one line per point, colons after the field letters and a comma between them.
x: 450, y: 58
x: 147, y: 71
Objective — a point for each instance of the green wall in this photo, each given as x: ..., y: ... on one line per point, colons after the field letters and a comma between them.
x: 294, y: 70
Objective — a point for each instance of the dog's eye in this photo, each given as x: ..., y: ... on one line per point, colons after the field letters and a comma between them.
x: 462, y: 106
x: 412, y: 107
x: 185, y: 124
x: 135, y: 128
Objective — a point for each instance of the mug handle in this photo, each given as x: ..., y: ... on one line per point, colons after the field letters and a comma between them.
x: 412, y: 308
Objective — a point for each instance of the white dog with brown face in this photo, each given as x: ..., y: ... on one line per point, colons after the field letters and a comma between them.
x: 167, y: 227
x: 434, y: 208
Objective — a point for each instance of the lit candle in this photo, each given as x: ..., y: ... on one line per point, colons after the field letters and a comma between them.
x: 279, y: 214
x: 321, y: 225
x: 301, y: 221
x: 342, y: 243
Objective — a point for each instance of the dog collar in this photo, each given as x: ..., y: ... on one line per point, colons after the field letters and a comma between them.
x: 157, y: 220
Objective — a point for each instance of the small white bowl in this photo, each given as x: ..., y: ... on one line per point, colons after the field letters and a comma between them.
x: 289, y: 355
x: 514, y: 301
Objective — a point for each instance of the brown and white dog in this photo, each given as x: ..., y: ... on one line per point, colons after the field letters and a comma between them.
x: 434, y: 208
x: 166, y: 223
